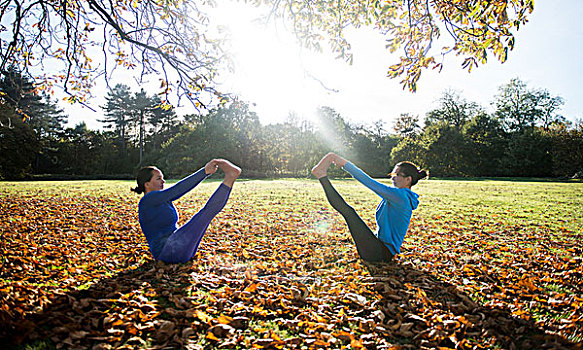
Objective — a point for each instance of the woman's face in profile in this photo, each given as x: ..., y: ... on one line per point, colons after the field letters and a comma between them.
x: 156, y: 183
x: 400, y: 180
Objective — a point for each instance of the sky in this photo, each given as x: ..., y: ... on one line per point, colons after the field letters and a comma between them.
x: 278, y: 77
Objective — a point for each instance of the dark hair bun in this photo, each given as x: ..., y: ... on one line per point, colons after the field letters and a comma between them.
x: 138, y: 190
x: 422, y: 174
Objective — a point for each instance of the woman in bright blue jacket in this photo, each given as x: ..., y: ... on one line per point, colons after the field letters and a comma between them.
x: 393, y: 213
x: 158, y: 216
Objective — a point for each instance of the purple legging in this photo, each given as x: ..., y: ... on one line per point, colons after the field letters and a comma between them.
x: 183, y: 243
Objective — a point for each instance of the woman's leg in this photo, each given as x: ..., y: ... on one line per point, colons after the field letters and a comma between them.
x: 183, y: 243
x: 368, y: 245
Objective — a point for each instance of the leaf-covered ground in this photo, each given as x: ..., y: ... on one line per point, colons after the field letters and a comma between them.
x: 485, y: 265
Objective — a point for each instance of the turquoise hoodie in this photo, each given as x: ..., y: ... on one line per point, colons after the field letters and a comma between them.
x: 393, y: 214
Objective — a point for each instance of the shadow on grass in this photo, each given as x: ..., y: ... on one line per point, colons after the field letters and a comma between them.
x: 451, y: 318
x: 165, y: 306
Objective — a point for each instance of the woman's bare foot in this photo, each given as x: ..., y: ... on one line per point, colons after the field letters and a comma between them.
x: 321, y: 169
x: 231, y: 171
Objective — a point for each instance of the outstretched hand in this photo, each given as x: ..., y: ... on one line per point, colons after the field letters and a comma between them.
x: 211, y: 167
x: 336, y: 159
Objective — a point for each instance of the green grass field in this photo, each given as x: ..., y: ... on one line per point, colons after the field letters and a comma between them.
x: 485, y: 265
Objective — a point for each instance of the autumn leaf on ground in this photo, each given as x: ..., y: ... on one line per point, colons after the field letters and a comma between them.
x: 485, y: 265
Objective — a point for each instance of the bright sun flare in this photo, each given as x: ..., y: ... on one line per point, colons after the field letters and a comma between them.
x: 269, y: 66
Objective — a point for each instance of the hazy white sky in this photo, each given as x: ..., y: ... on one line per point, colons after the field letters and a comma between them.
x: 276, y: 75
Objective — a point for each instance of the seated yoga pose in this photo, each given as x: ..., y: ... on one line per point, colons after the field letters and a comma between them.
x: 158, y: 216
x: 393, y: 214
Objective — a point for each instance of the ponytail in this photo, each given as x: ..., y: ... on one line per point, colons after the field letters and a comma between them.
x: 138, y: 189
x: 144, y: 175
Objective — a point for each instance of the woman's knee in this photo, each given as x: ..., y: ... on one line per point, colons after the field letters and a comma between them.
x: 173, y: 257
x: 346, y: 210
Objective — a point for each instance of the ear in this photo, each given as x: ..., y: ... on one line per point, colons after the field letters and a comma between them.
x: 147, y: 186
x: 409, y: 181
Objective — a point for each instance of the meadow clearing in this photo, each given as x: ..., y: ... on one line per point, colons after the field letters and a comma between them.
x: 486, y: 264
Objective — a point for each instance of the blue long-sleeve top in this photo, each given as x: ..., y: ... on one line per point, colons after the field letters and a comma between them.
x: 157, y: 214
x: 393, y: 214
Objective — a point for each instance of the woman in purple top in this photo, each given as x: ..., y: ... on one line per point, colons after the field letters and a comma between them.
x: 393, y: 213
x: 158, y: 216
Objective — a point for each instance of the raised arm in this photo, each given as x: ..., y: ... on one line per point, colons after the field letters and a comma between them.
x: 180, y: 188
x: 380, y: 189
x: 388, y: 192
x: 177, y: 190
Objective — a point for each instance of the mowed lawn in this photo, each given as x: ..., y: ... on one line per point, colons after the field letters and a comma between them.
x: 485, y: 265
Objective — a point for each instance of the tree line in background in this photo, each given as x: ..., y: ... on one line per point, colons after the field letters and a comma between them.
x: 524, y: 137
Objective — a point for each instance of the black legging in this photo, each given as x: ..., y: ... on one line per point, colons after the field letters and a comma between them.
x: 368, y: 245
